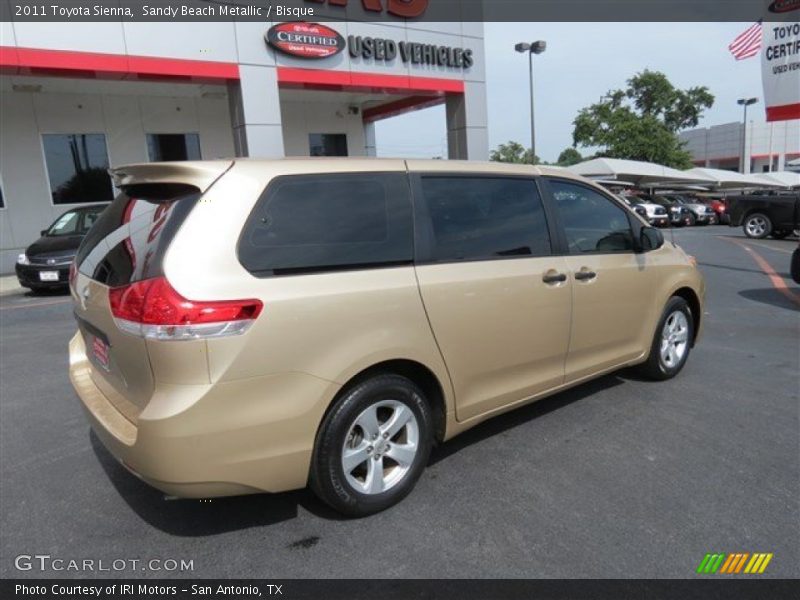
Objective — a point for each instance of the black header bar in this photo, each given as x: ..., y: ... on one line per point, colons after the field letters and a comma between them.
x: 397, y: 11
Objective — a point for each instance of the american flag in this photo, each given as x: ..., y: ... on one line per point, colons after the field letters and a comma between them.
x: 747, y: 43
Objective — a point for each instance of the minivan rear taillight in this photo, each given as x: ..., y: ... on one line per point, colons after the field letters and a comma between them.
x: 154, y: 310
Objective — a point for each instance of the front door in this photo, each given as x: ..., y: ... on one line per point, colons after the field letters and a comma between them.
x: 498, y: 301
x: 612, y: 286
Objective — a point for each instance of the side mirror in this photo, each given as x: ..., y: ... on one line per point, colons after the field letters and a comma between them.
x: 43, y: 232
x: 650, y: 238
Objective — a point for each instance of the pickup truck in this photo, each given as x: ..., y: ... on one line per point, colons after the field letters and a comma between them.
x: 775, y: 214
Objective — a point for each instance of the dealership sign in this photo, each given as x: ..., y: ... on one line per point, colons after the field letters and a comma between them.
x: 312, y: 40
x: 780, y: 70
x: 782, y: 6
x: 305, y: 40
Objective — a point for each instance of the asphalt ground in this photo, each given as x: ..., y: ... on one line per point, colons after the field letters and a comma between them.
x: 616, y: 478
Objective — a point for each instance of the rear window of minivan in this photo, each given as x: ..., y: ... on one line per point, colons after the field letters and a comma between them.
x: 325, y: 222
x: 128, y: 241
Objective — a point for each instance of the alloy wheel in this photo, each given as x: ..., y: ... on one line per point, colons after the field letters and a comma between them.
x: 757, y: 226
x: 674, y: 339
x: 380, y: 447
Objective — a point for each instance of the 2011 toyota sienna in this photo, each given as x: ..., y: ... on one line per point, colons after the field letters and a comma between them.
x: 249, y: 326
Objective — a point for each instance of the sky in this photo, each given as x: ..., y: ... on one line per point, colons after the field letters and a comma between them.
x: 582, y: 62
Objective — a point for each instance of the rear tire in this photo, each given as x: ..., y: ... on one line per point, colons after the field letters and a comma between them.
x: 757, y: 226
x: 672, y: 341
x: 691, y: 221
x: 372, y: 446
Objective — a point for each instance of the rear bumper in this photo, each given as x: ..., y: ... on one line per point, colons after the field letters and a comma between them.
x: 223, y: 439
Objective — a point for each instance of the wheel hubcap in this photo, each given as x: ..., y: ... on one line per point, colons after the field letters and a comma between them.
x: 756, y: 226
x: 674, y: 339
x: 380, y: 447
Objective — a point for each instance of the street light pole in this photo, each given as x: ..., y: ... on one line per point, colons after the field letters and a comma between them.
x: 533, y: 48
x: 745, y: 102
x: 533, y: 126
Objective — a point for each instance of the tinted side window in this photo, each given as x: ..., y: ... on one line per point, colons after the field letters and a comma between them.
x: 474, y: 218
x: 592, y: 222
x: 309, y: 223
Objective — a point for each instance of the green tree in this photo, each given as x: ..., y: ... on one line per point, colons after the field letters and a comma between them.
x: 569, y: 156
x: 514, y: 152
x: 641, y: 121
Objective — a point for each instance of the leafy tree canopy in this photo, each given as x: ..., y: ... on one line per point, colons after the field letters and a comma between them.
x: 569, y: 156
x: 641, y: 121
x: 514, y: 152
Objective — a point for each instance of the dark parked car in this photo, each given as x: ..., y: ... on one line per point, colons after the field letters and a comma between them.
x: 45, y: 263
x: 796, y: 264
x: 774, y: 214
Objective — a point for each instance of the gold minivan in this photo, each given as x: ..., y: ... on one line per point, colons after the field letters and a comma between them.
x: 262, y: 325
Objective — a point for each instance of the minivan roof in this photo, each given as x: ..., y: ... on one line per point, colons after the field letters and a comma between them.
x: 204, y: 172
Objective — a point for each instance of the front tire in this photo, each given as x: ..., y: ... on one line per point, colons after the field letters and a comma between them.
x: 372, y: 446
x: 757, y: 226
x: 672, y: 341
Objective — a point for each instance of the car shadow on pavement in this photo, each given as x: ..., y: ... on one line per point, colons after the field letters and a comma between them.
x: 522, y: 415
x: 195, y: 518
x: 772, y: 297
x: 47, y: 293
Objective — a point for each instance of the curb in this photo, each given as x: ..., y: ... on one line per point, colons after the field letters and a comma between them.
x: 9, y: 286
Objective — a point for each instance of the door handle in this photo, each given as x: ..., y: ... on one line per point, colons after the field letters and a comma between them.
x: 551, y: 277
x: 585, y: 275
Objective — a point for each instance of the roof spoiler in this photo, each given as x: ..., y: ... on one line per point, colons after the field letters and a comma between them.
x: 198, y: 174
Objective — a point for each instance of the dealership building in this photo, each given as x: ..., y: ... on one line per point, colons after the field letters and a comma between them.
x: 77, y: 98
x: 767, y: 146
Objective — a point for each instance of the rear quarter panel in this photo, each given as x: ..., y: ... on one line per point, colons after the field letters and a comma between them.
x: 328, y: 325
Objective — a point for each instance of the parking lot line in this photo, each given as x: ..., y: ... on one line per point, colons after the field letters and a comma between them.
x: 777, y: 281
x: 34, y: 304
x: 781, y: 250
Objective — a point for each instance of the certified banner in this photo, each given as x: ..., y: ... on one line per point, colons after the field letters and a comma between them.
x: 780, y: 66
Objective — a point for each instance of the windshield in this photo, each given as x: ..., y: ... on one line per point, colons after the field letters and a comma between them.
x: 74, y: 222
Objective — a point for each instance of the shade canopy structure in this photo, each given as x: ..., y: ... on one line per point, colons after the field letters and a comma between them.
x: 794, y: 163
x: 612, y: 182
x: 638, y: 172
x: 781, y: 179
x: 729, y: 180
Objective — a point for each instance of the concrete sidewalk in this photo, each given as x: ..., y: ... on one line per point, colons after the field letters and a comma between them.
x: 9, y: 285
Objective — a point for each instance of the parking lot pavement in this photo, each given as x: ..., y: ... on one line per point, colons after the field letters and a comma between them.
x: 616, y: 478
